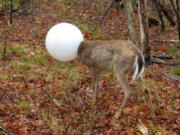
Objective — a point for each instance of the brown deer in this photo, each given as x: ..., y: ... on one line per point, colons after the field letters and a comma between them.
x: 120, y: 56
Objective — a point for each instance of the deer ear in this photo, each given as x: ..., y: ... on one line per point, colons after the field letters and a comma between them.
x: 63, y: 40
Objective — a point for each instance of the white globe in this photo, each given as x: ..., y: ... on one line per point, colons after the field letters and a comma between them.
x: 63, y: 40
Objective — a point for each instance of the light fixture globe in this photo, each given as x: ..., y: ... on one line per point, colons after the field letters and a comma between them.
x: 63, y: 40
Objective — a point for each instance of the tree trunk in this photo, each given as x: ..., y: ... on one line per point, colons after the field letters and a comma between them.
x: 176, y: 10
x: 160, y: 14
x: 144, y: 31
x: 26, y: 6
x: 11, y: 13
x: 114, y: 3
x: 130, y: 16
x: 178, y: 17
x: 165, y: 11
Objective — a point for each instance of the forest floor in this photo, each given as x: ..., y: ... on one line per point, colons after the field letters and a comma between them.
x: 41, y: 96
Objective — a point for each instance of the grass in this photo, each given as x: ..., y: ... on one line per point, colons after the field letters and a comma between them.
x: 25, y: 105
x: 4, y: 77
x: 172, y: 50
x: 58, y: 64
x: 109, y: 74
x: 27, y: 60
x: 22, y: 65
x: 54, y: 14
x: 177, y: 43
x: 176, y: 40
x: 19, y: 49
x: 176, y: 55
x: 176, y: 70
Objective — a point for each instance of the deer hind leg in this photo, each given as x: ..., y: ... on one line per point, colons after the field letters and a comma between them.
x: 148, y: 95
x: 96, y: 79
x: 122, y: 79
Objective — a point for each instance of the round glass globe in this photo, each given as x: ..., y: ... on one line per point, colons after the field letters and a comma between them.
x: 63, y: 40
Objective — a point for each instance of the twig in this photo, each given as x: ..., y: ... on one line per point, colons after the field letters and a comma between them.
x: 5, y: 47
x: 84, y: 92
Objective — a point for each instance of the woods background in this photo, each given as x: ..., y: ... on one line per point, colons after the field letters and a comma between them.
x: 41, y: 96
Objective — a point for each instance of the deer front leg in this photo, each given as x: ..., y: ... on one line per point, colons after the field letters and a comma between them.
x: 96, y: 79
x: 122, y: 78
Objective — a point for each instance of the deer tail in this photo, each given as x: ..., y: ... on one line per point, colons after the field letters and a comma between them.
x: 139, y: 67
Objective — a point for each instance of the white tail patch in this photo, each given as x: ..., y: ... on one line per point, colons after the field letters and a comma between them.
x: 136, y: 68
x: 137, y: 73
x: 140, y: 73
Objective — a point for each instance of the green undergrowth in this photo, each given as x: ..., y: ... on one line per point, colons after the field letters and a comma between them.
x: 109, y: 74
x: 174, y: 51
x: 36, y: 61
x: 176, y: 40
x: 176, y: 70
x: 25, y: 105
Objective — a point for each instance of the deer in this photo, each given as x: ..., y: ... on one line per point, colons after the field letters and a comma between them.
x: 120, y: 56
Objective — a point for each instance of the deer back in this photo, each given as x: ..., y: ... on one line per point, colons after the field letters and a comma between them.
x: 103, y: 55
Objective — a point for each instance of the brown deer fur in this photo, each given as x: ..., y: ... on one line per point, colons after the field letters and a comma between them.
x: 120, y: 56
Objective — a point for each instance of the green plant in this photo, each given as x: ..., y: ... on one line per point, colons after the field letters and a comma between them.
x: 176, y: 41
x: 4, y: 77
x: 58, y: 65
x: 22, y: 67
x: 37, y: 20
x: 19, y: 49
x: 25, y: 105
x: 63, y: 6
x: 110, y: 74
x: 40, y: 58
x: 54, y: 14
x: 25, y: 58
x: 73, y: 76
x: 98, y: 9
x: 176, y: 70
x: 172, y: 50
x: 177, y: 56
x: 7, y: 3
